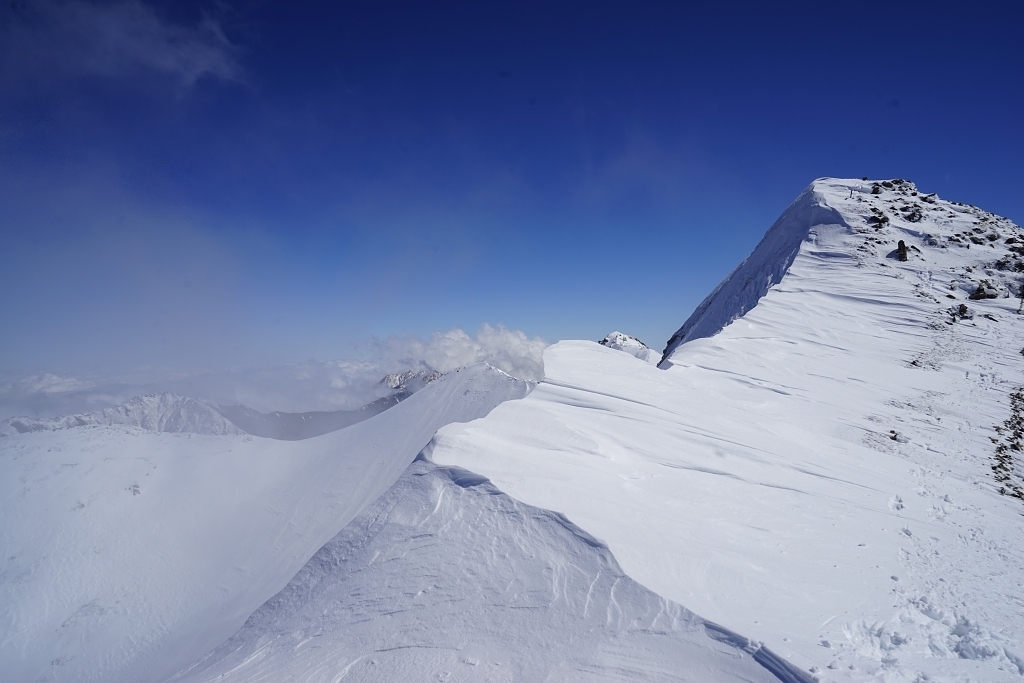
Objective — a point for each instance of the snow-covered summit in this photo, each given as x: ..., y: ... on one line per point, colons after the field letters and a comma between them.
x: 828, y: 459
x: 631, y: 345
x: 152, y: 412
x: 826, y: 464
x: 860, y: 223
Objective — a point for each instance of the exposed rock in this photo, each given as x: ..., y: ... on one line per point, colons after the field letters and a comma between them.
x: 631, y: 345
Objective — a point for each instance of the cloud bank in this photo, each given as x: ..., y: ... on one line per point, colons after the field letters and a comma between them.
x: 312, y: 385
x: 509, y: 350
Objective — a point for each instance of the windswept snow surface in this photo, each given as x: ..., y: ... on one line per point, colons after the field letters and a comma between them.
x: 818, y: 475
x: 128, y: 554
x: 446, y: 578
x: 744, y: 287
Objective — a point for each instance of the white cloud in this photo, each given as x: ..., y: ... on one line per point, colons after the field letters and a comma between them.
x: 313, y: 385
x: 48, y: 383
x: 508, y: 350
x: 58, y: 38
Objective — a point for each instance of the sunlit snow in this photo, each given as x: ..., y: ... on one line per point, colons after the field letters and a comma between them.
x: 819, y: 481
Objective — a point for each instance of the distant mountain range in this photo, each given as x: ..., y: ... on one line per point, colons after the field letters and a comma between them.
x: 170, y: 413
x: 819, y: 482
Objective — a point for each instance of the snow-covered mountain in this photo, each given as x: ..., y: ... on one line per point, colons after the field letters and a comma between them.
x: 882, y: 214
x: 153, y: 412
x: 410, y: 380
x: 165, y: 412
x: 447, y: 578
x: 128, y: 554
x: 824, y: 469
x: 631, y: 345
x: 820, y: 464
x: 295, y: 426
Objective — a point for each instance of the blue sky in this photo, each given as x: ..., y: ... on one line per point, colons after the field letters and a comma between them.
x: 208, y: 184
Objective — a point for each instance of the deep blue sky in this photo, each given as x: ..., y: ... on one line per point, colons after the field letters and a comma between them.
x: 196, y: 184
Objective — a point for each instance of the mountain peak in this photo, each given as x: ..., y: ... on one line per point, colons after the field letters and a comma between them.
x: 631, y: 345
x: 410, y: 380
x: 861, y: 224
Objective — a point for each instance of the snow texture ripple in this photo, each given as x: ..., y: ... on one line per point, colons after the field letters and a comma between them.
x: 446, y: 578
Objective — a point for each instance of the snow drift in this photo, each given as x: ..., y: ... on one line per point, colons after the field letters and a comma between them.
x: 128, y: 553
x: 446, y: 578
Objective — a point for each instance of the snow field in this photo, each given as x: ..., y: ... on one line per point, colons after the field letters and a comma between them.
x: 812, y: 468
x: 128, y: 554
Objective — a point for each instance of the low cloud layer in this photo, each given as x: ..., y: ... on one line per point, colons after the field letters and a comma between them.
x: 509, y: 350
x: 313, y: 385
x: 52, y: 39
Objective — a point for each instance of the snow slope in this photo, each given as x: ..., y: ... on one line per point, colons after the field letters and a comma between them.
x: 447, y: 578
x: 127, y: 554
x: 152, y: 412
x: 814, y: 468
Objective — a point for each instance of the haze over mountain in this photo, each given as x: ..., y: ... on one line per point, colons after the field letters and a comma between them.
x: 190, y: 187
x: 819, y: 481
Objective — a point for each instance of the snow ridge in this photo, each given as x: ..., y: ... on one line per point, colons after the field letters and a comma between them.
x: 833, y: 472
x: 410, y: 380
x: 164, y: 412
x: 445, y: 546
x: 767, y: 264
x: 129, y: 554
x: 170, y: 413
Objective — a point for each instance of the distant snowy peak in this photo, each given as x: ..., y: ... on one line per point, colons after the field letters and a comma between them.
x: 410, y: 380
x: 631, y: 345
x: 152, y: 412
x: 171, y: 413
x: 860, y: 223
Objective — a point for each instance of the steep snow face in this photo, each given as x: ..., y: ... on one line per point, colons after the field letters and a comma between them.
x: 153, y: 413
x: 128, y: 554
x: 874, y: 216
x: 824, y: 473
x: 744, y: 287
x: 446, y: 578
x: 631, y: 345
